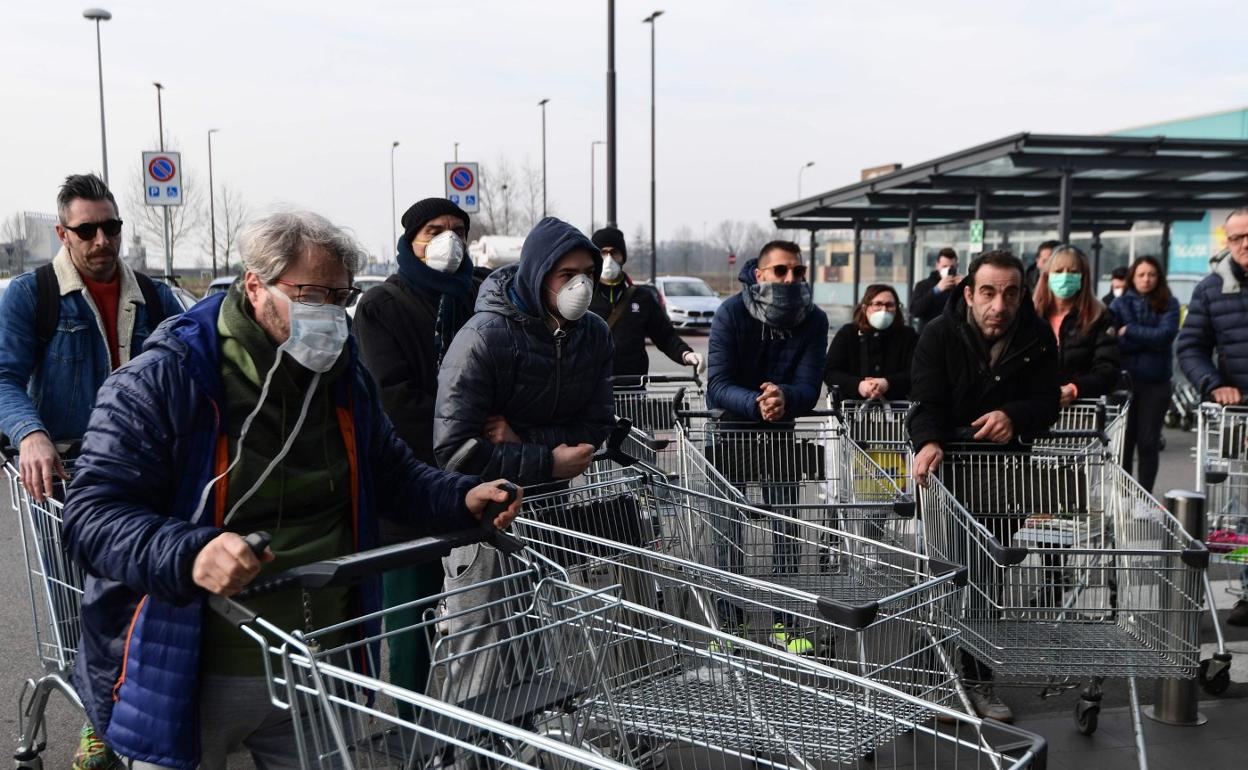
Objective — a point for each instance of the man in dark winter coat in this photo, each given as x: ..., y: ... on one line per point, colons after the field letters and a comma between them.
x: 1036, y: 269
x: 933, y: 292
x: 1217, y: 321
x: 988, y: 363
x: 169, y: 480
x: 633, y: 313
x: 404, y: 327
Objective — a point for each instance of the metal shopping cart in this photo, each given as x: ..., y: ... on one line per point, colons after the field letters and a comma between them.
x: 1074, y: 570
x: 844, y: 600
x: 55, y: 584
x: 650, y: 401
x: 1090, y: 425
x: 589, y: 673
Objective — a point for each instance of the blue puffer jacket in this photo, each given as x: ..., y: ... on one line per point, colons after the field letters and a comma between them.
x: 1147, y: 347
x: 552, y: 388
x: 151, y: 446
x: 743, y: 357
x: 55, y: 394
x: 1217, y: 322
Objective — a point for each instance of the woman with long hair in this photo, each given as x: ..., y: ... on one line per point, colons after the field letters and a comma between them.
x: 1087, y: 347
x: 869, y: 357
x: 1149, y: 318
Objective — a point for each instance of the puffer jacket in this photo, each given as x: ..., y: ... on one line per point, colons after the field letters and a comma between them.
x: 552, y: 387
x: 1091, y: 360
x: 1147, y: 347
x: 953, y: 384
x: 155, y: 439
x: 744, y: 354
x: 856, y: 354
x: 644, y: 317
x: 1217, y: 322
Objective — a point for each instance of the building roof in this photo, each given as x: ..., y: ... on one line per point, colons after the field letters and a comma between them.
x: 1114, y: 181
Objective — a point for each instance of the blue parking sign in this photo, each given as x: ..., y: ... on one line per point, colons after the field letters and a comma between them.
x: 153, y: 191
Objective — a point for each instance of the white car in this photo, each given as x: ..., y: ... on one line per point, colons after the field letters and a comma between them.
x: 4, y: 284
x: 219, y: 285
x: 364, y: 283
x: 689, y: 302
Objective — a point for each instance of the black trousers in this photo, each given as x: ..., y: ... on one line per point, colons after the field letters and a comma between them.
x: 1149, y: 403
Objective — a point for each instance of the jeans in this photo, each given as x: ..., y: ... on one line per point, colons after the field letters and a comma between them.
x: 1149, y: 403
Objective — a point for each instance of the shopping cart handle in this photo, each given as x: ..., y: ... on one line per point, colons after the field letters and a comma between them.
x: 612, y: 450
x: 905, y: 507
x: 941, y: 568
x: 1006, y: 555
x: 855, y: 616
x: 636, y: 380
x: 1196, y: 556
x: 503, y: 541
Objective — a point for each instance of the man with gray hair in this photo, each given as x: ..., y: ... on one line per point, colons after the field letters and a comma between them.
x: 251, y: 412
x: 66, y: 325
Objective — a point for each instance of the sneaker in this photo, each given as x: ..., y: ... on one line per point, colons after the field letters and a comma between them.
x: 988, y: 705
x: 1239, y: 614
x: 794, y: 643
x: 93, y: 753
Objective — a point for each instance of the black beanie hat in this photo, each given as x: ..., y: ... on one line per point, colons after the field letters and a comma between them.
x: 422, y: 212
x: 611, y: 237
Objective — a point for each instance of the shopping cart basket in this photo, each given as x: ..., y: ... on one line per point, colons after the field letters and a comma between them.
x: 878, y: 427
x: 1075, y: 571
x: 650, y: 401
x: 847, y: 601
x: 54, y: 583
x: 606, y: 677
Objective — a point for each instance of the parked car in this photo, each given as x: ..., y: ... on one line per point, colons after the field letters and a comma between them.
x: 689, y: 302
x: 4, y: 284
x: 364, y: 282
x: 186, y: 299
x: 218, y: 285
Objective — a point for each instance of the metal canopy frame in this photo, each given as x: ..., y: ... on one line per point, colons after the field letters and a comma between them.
x: 1094, y: 183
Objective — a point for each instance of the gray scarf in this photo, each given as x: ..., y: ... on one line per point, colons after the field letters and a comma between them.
x: 780, y: 307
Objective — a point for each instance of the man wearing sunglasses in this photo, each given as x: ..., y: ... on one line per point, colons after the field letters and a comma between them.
x: 49, y: 377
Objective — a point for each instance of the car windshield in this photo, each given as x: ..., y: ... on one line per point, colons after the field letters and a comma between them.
x: 687, y: 289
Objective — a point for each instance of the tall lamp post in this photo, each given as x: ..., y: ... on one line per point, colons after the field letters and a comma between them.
x: 801, y: 171
x: 542, y: 104
x: 212, y: 205
x: 611, y: 219
x: 394, y: 222
x: 456, y: 158
x: 654, y: 238
x: 160, y: 122
x: 592, y: 145
x: 98, y: 15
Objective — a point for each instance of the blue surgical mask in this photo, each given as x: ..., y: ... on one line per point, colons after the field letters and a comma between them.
x: 1065, y: 285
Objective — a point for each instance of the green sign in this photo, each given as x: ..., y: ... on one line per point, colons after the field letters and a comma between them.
x: 977, y: 237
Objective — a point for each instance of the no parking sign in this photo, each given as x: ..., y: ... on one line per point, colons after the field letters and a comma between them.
x: 462, y: 184
x: 162, y: 178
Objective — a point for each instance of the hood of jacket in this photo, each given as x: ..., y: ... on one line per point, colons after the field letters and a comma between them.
x: 746, y: 276
x: 548, y: 241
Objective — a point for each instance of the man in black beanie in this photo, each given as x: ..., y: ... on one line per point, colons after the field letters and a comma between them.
x: 633, y: 312
x: 404, y: 327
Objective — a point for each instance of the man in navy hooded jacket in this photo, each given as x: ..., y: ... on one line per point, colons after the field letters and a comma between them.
x: 157, y: 505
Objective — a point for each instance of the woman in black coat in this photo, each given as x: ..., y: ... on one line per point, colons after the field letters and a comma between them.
x: 870, y: 356
x: 1087, y: 344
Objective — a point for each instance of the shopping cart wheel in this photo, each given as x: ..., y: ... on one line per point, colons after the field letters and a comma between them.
x: 1171, y: 420
x: 25, y: 760
x: 1221, y: 679
x: 1087, y: 712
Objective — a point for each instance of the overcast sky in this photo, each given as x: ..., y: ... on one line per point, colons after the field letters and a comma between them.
x: 308, y: 96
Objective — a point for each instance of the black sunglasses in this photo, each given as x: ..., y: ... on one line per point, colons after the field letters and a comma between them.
x: 87, y: 230
x: 799, y: 271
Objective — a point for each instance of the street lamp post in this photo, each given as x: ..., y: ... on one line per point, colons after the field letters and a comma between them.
x: 160, y: 122
x: 212, y: 206
x: 592, y: 145
x: 456, y: 159
x: 98, y: 15
x: 542, y: 104
x: 654, y: 239
x: 801, y: 171
x: 611, y: 219
x: 394, y: 222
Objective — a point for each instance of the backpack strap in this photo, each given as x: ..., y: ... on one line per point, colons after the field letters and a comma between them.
x: 151, y: 298
x: 47, y: 307
x: 617, y: 312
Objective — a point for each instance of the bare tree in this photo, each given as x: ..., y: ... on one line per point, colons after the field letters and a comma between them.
x: 682, y: 247
x: 531, y: 185
x: 728, y: 235
x: 185, y: 222
x: 232, y: 214
x: 13, y: 237
x: 498, y: 198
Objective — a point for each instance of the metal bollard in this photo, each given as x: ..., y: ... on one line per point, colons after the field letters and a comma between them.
x: 1176, y: 700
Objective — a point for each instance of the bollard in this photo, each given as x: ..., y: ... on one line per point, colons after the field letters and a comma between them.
x: 1176, y: 700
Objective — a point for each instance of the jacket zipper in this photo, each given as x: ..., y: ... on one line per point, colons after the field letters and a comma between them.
x: 125, y: 655
x: 559, y: 335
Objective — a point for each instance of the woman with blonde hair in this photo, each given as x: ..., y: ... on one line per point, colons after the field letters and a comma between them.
x: 1087, y: 345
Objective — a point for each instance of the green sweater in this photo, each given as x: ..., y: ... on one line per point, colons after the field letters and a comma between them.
x: 305, y: 503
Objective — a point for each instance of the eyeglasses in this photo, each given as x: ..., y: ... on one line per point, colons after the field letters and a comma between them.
x: 882, y: 306
x: 87, y: 230
x: 1236, y: 239
x: 316, y: 295
x: 799, y: 271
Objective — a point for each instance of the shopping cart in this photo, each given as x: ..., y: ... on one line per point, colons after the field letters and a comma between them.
x: 604, y: 678
x: 807, y: 469
x: 1075, y: 571
x: 879, y: 429
x: 54, y: 583
x: 1089, y: 425
x: 650, y: 401
x: 844, y: 600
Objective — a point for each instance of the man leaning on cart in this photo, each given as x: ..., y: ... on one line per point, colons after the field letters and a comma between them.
x: 249, y: 412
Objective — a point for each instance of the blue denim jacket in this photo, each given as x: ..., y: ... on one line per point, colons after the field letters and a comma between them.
x: 56, y: 394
